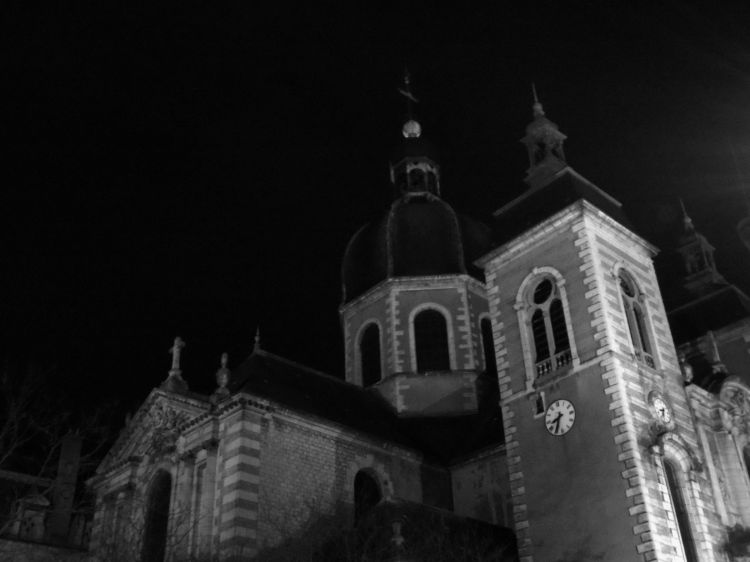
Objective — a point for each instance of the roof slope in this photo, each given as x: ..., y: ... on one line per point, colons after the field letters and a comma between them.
x: 539, y: 203
x: 715, y: 310
x: 311, y: 392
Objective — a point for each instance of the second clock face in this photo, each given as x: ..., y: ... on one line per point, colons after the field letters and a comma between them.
x: 560, y: 417
x: 661, y: 409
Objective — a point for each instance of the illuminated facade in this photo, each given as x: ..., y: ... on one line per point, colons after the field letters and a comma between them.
x: 520, y: 384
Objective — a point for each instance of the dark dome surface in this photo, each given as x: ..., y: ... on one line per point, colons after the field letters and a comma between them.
x: 419, y: 235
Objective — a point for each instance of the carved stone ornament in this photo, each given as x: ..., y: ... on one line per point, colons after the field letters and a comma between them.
x: 735, y: 411
x: 164, y: 422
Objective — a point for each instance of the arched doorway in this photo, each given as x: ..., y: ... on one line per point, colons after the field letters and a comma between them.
x: 157, y: 518
x: 366, y: 495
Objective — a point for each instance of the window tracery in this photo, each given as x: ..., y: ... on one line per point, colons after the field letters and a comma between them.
x: 635, y: 316
x: 548, y: 327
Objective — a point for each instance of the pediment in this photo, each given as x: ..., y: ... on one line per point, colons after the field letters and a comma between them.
x: 154, y: 429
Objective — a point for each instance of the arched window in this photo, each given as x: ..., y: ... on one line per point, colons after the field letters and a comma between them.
x: 432, y: 182
x: 369, y: 355
x: 488, y: 345
x: 157, y: 518
x: 366, y: 495
x: 679, y: 509
x: 634, y: 314
x: 417, y: 180
x: 431, y: 341
x: 549, y: 330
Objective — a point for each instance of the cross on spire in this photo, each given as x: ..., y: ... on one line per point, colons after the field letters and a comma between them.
x: 406, y: 92
x: 411, y: 129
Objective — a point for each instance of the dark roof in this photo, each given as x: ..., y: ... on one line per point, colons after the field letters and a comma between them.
x: 420, y: 234
x: 540, y: 203
x: 308, y: 391
x: 724, y: 306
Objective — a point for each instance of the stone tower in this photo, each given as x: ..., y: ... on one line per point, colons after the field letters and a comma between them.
x: 601, y: 445
x: 414, y: 306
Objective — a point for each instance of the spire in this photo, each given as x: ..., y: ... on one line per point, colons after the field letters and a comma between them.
x: 544, y: 142
x: 411, y: 129
x: 697, y: 253
x: 414, y: 170
x: 537, y: 108
x: 687, y: 222
x: 175, y: 382
x: 256, y: 345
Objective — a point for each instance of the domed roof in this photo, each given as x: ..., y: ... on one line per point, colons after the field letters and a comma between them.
x: 419, y: 235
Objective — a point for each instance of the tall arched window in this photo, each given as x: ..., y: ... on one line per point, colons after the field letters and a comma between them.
x: 680, y: 510
x: 431, y: 341
x: 369, y: 355
x: 634, y: 314
x: 488, y: 346
x: 366, y: 495
x: 157, y: 518
x: 549, y: 330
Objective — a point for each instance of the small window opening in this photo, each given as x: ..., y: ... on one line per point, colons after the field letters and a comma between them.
x: 369, y: 354
x: 539, y: 405
x: 417, y: 180
x: 488, y: 346
x: 431, y: 182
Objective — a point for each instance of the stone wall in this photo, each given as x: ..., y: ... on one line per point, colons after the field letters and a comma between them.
x: 22, y: 551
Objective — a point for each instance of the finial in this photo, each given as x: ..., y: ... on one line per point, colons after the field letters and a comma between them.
x: 412, y: 128
x: 537, y: 107
x: 222, y: 375
x: 686, y: 220
x: 222, y: 380
x: 176, y: 351
x: 175, y: 382
x: 256, y: 347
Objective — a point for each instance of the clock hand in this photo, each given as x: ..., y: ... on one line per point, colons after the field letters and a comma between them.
x: 557, y: 422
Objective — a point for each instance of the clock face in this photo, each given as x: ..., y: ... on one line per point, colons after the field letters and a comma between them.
x: 661, y: 409
x: 560, y: 417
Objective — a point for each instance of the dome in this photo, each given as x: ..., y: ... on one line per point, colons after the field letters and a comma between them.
x: 419, y: 235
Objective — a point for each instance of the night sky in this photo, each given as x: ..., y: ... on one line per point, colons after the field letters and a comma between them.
x: 199, y: 171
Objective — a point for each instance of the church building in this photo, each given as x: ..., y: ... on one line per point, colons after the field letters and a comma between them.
x: 513, y: 391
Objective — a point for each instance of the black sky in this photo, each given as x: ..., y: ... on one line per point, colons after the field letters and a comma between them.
x: 198, y: 171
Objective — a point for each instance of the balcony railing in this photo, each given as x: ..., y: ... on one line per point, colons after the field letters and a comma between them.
x: 553, y: 363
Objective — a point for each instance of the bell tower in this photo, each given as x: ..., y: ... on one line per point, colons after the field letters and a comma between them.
x: 700, y: 273
x: 602, y: 448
